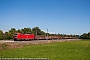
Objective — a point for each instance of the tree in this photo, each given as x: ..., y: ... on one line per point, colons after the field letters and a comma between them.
x: 19, y: 31
x: 37, y: 31
x: 7, y: 36
x: 26, y: 30
x: 88, y: 35
x: 84, y: 36
x: 11, y: 33
x: 1, y: 35
x: 43, y: 33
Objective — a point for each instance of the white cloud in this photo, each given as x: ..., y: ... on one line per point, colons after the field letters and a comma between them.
x: 49, y: 32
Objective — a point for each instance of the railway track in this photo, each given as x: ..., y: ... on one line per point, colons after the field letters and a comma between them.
x: 38, y: 41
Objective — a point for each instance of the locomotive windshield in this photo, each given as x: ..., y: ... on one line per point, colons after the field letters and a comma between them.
x: 15, y: 35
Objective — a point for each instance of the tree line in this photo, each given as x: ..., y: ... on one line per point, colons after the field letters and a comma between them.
x: 85, y: 36
x: 36, y: 31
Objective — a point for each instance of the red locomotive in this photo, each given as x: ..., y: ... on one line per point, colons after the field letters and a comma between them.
x: 19, y: 36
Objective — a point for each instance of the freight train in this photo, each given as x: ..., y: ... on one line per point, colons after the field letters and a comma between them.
x: 29, y: 37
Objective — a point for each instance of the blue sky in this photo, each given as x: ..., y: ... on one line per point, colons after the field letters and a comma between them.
x: 59, y: 16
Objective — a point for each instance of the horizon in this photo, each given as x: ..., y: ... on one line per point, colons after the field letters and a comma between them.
x: 46, y: 32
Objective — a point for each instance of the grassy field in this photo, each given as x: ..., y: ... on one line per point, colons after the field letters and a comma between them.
x: 72, y: 50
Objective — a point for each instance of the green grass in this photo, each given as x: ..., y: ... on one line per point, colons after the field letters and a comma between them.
x: 73, y: 50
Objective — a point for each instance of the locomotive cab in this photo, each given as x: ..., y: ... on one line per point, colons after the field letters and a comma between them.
x: 15, y: 36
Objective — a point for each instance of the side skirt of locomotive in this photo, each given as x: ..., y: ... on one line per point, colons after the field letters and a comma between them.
x: 16, y: 39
